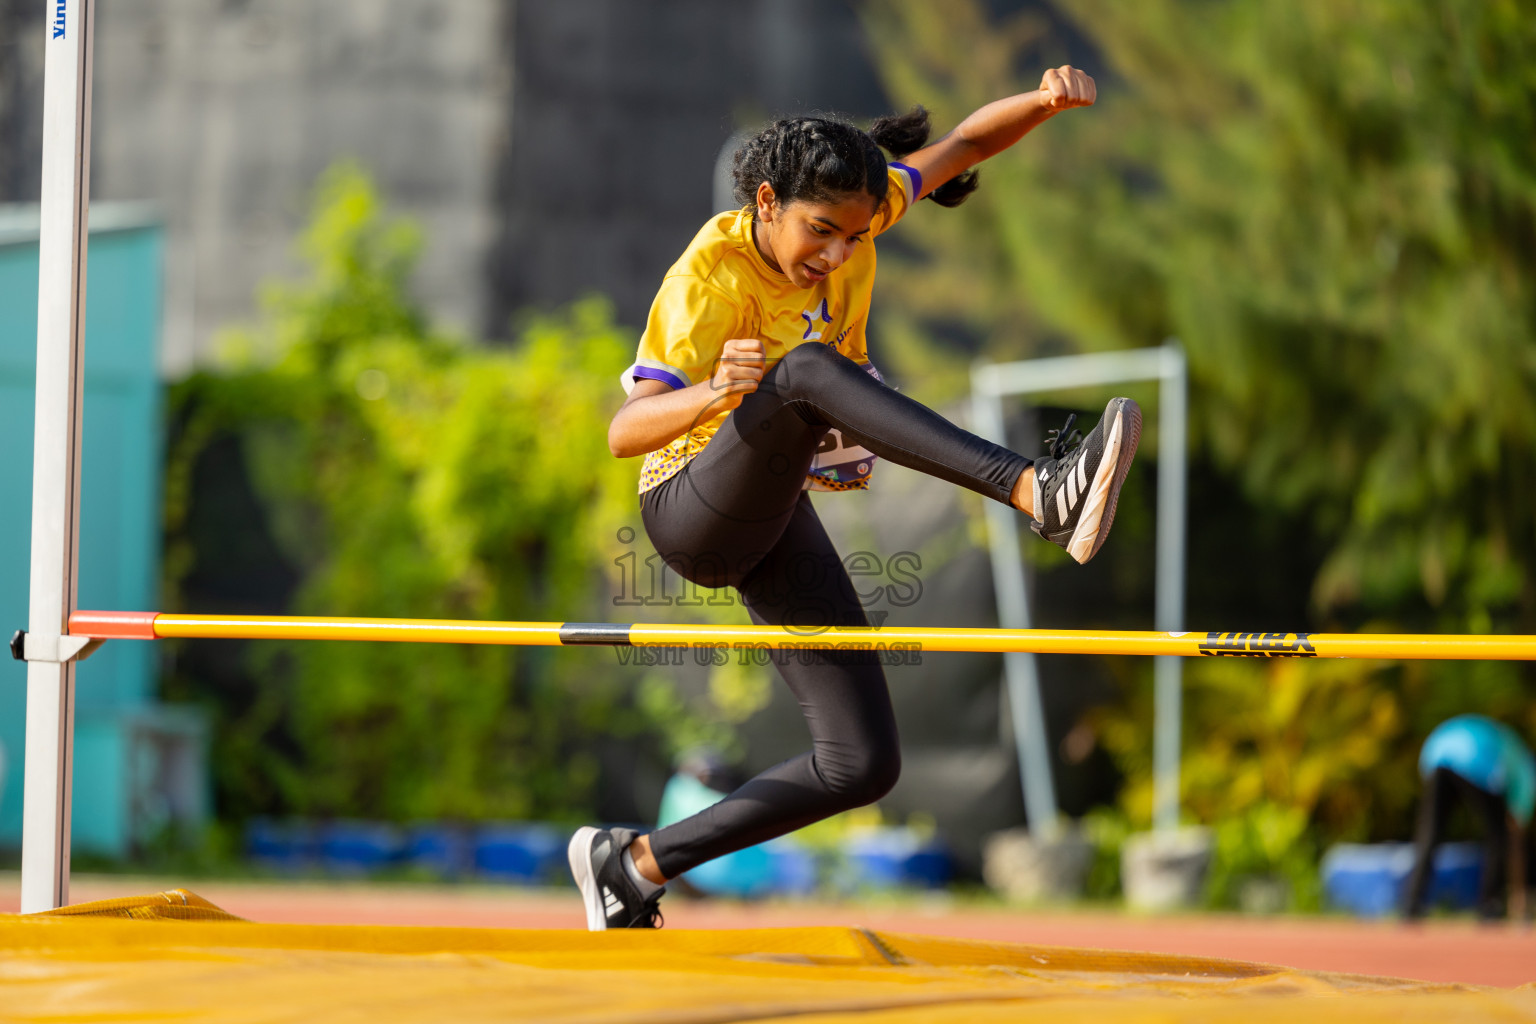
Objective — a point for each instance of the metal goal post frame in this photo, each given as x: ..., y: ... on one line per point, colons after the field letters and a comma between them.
x: 991, y: 383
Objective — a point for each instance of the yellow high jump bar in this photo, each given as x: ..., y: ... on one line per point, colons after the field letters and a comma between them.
x: 99, y: 626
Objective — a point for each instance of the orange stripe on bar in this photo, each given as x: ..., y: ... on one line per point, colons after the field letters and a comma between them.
x: 421, y: 631
x: 114, y: 625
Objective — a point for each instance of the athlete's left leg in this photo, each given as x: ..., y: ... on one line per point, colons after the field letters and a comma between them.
x: 1072, y: 494
x: 855, y: 756
x: 827, y: 389
x: 1434, y: 805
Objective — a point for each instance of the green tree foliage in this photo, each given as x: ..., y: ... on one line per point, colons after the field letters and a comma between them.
x: 1333, y: 206
x: 407, y: 474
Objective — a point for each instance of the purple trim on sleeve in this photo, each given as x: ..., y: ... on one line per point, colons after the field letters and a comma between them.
x: 915, y: 176
x: 672, y: 380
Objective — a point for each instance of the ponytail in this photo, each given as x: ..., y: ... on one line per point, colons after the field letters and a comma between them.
x: 901, y: 134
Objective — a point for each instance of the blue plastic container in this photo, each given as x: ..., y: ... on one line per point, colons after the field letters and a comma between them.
x: 1458, y: 875
x: 447, y: 851
x: 929, y: 867
x: 1370, y: 880
x: 877, y: 859
x: 525, y: 853
x: 285, y: 846
x: 890, y: 858
x: 358, y: 847
x: 794, y: 868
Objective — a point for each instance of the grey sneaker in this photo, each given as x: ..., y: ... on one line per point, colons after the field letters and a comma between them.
x: 1077, y: 485
x: 612, y: 901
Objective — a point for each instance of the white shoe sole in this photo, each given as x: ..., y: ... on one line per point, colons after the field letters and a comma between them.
x: 1104, y: 494
x: 579, y: 854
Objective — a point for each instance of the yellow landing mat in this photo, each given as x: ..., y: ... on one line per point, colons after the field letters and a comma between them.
x: 173, y: 956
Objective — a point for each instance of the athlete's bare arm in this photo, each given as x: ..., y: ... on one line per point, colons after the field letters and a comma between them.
x: 654, y: 415
x: 999, y: 125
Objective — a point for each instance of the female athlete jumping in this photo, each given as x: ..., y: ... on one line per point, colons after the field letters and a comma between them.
x: 754, y: 353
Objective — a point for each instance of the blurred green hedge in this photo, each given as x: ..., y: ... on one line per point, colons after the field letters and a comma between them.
x: 401, y: 472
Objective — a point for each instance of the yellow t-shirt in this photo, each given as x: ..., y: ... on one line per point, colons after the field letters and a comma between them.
x: 722, y: 288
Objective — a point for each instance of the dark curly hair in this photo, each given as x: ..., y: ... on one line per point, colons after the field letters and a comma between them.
x: 824, y: 159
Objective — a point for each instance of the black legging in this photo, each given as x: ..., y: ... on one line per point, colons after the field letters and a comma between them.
x: 738, y: 516
x: 1434, y: 807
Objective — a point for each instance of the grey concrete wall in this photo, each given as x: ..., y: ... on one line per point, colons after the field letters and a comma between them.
x: 225, y: 113
x: 550, y: 148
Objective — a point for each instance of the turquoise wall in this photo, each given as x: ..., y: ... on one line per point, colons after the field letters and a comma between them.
x: 120, y: 504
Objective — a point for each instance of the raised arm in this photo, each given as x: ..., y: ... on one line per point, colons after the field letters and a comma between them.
x: 999, y: 125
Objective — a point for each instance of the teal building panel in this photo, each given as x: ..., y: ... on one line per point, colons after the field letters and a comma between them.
x: 120, y: 500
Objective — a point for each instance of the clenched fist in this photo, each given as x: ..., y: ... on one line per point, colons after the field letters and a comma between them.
x: 739, y: 371
x: 1066, y: 86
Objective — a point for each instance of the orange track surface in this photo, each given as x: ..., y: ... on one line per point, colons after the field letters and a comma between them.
x: 1447, y: 951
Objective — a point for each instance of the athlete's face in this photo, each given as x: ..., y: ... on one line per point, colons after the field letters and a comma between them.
x: 807, y: 241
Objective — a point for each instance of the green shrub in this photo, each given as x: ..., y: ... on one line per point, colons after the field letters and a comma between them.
x: 407, y: 473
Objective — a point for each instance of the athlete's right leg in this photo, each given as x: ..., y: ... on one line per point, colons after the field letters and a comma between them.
x: 715, y: 523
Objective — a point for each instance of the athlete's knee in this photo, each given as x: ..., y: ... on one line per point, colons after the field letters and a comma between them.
x: 705, y: 569
x: 812, y: 355
x: 806, y: 368
x: 875, y: 778
x: 863, y: 778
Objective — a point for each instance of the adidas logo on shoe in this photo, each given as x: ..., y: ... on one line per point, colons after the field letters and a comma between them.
x: 1077, y: 484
